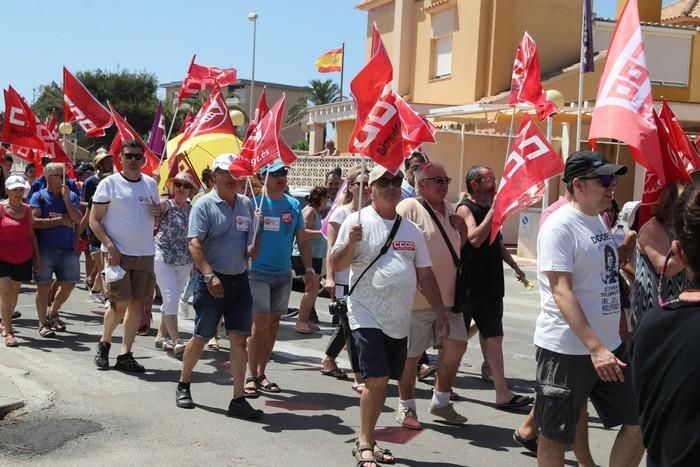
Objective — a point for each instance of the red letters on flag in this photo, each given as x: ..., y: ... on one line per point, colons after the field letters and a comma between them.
x: 125, y: 133
x: 531, y: 162
x: 81, y: 106
x: 623, y: 108
x: 201, y: 77
x: 526, y: 86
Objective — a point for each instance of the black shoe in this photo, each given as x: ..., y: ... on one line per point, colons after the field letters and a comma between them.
x: 102, y: 357
x: 128, y: 363
x: 529, y: 444
x: 183, y: 398
x: 240, y: 408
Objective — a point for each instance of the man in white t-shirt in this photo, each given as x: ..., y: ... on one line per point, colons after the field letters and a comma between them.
x: 379, y: 308
x: 124, y: 212
x: 579, y: 351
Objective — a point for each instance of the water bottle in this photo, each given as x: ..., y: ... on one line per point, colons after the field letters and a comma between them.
x: 619, y: 235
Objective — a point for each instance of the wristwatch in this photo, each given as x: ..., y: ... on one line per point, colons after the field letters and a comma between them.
x: 208, y: 277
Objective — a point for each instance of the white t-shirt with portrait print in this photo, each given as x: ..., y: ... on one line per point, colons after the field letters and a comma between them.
x: 574, y: 242
x: 128, y: 220
x: 383, y: 298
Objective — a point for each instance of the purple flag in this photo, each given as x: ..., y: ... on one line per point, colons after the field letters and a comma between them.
x: 587, y: 37
x: 156, y: 140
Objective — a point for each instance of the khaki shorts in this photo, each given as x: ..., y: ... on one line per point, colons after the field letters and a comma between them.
x: 138, y: 283
x: 424, y: 332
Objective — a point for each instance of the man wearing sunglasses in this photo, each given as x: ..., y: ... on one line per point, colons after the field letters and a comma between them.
x: 379, y: 308
x: 124, y: 212
x: 579, y: 351
x: 271, y: 272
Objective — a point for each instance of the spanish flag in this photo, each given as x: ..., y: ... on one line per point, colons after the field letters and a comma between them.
x: 330, y: 61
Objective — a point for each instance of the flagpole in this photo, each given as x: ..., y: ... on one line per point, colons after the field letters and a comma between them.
x: 580, y: 79
x: 362, y: 188
x: 342, y: 69
x: 510, y: 132
x: 262, y: 201
x: 545, y: 198
x: 167, y: 138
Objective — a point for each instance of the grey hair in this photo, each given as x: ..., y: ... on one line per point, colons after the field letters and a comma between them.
x: 52, y: 167
x: 419, y: 175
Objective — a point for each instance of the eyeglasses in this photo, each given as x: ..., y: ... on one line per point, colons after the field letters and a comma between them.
x: 280, y: 172
x: 385, y: 182
x: 488, y: 179
x: 128, y: 156
x: 605, y: 181
x: 440, y: 180
x: 186, y: 186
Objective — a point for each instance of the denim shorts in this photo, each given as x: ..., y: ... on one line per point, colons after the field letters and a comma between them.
x: 234, y: 306
x: 271, y: 291
x: 379, y: 355
x: 64, y: 263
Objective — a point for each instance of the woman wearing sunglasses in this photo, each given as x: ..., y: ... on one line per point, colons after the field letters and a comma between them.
x: 666, y: 348
x: 173, y: 261
x: 653, y: 243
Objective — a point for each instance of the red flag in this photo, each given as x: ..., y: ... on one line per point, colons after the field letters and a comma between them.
x: 186, y: 122
x: 125, y: 133
x: 213, y: 117
x: 260, y: 111
x: 623, y: 108
x: 367, y: 86
x: 241, y: 167
x: 263, y: 146
x: 201, y: 77
x: 679, y: 139
x: 526, y: 86
x: 415, y: 128
x: 19, y: 124
x: 26, y: 154
x: 183, y: 165
x: 672, y: 162
x: 81, y: 106
x: 52, y: 124
x: 532, y: 161
x: 652, y: 190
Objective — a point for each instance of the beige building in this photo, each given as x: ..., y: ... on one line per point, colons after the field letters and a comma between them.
x: 238, y: 94
x: 453, y: 61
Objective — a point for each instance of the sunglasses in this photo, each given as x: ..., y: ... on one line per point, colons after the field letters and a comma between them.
x: 186, y: 186
x: 129, y: 156
x: 440, y: 180
x: 605, y: 181
x: 385, y: 182
x: 280, y: 172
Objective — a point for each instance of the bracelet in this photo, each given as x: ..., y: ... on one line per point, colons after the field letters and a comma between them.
x: 311, y: 270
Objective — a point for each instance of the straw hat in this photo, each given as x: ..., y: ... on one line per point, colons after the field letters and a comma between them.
x: 184, y: 177
x: 100, y: 155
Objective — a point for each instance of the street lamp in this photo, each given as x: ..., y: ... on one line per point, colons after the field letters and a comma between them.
x: 252, y: 17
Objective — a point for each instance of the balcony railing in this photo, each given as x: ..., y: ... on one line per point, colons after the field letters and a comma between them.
x: 332, y: 112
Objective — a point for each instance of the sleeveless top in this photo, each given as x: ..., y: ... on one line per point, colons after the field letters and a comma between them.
x: 318, y: 244
x: 483, y: 266
x: 646, y: 284
x: 171, y: 239
x: 15, y: 237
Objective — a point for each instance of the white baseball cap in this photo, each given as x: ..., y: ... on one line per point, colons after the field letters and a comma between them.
x: 223, y: 161
x: 16, y: 181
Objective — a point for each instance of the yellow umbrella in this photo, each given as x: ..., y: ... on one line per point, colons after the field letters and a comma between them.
x: 202, y: 151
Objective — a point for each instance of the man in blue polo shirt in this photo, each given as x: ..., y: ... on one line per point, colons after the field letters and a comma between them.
x: 220, y: 231
x: 271, y: 272
x: 42, y: 182
x: 56, y: 212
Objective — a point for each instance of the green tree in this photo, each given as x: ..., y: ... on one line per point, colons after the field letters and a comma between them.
x: 316, y: 93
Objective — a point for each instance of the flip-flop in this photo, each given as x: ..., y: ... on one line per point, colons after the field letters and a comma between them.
x: 334, y: 373
x: 516, y: 402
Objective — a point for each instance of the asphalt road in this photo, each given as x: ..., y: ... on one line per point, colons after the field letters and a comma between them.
x: 78, y: 416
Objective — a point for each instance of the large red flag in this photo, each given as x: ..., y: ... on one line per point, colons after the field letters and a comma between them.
x: 264, y: 145
x: 367, y: 86
x: 679, y: 139
x: 81, y: 106
x: 19, y: 123
x: 213, y: 117
x: 201, y: 77
x: 125, y: 133
x: 531, y: 162
x: 525, y: 86
x: 623, y: 108
x: 260, y: 111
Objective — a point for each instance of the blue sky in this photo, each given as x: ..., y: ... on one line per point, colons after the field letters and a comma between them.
x: 40, y: 36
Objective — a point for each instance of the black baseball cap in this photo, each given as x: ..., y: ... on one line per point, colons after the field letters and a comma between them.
x: 590, y: 163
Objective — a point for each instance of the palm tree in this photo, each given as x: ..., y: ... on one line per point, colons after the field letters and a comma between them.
x: 316, y: 93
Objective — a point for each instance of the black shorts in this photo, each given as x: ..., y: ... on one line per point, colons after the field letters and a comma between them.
x: 21, y: 272
x: 565, y: 382
x: 487, y: 313
x: 379, y: 355
x: 300, y: 270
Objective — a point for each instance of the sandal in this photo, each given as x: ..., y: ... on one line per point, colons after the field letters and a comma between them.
x: 10, y: 340
x: 213, y: 344
x: 358, y: 387
x: 46, y: 331
x: 334, y: 373
x: 382, y: 455
x: 269, y: 387
x: 57, y: 323
x: 363, y: 460
x: 250, y: 390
